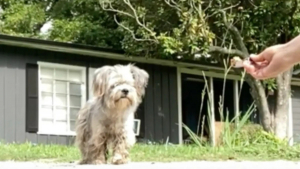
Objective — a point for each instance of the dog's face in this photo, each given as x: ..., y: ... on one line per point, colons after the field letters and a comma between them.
x: 120, y: 86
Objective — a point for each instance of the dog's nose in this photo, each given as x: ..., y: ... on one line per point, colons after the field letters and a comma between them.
x: 125, y: 91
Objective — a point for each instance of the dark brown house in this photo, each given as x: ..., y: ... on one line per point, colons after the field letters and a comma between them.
x: 43, y: 84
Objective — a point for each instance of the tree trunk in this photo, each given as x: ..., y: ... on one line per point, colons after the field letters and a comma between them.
x: 273, y: 112
x: 282, y: 104
x: 260, y: 98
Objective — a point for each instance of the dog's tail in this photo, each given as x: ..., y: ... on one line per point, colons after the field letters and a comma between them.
x: 82, y: 128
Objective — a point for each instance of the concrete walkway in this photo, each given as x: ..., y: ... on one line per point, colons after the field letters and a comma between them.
x: 150, y: 165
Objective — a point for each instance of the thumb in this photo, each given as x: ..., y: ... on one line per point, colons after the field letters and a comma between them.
x: 258, y: 58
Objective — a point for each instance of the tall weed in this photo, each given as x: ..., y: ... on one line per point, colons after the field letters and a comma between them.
x: 241, y: 133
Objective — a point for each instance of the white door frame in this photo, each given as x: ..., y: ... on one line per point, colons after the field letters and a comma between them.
x: 91, y: 74
x: 209, y: 75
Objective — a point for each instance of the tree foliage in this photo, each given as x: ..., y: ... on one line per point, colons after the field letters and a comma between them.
x: 167, y: 28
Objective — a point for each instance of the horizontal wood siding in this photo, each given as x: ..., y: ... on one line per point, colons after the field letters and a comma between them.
x: 158, y: 112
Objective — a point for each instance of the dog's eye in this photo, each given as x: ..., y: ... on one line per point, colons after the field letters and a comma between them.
x: 133, y: 75
x: 113, y: 86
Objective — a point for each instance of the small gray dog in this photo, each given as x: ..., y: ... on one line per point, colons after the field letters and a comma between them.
x: 107, y: 121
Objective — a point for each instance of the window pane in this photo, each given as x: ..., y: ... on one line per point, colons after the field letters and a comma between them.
x: 61, y: 100
x: 47, y: 99
x: 75, y: 89
x: 136, y: 124
x: 75, y: 75
x: 46, y: 113
x: 75, y: 101
x: 47, y: 85
x: 73, y: 113
x: 72, y: 125
x: 47, y: 72
x: 47, y: 125
x: 61, y: 126
x: 61, y: 87
x: 61, y: 74
x: 61, y: 113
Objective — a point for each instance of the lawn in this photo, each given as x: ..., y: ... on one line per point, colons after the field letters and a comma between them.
x: 157, y: 153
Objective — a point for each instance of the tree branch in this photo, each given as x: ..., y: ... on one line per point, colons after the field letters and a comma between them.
x: 132, y: 32
x: 294, y: 9
x: 236, y: 36
x: 217, y: 49
x: 112, y: 9
x: 134, y: 16
x: 292, y: 13
x: 168, y: 2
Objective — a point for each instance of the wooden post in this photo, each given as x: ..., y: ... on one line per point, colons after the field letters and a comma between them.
x: 212, y: 111
x: 236, y: 101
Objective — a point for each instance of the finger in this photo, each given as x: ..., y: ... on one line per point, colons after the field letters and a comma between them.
x: 268, y: 71
x: 261, y: 64
x: 258, y: 58
x: 248, y: 67
x: 254, y: 70
x: 254, y: 65
x: 263, y: 77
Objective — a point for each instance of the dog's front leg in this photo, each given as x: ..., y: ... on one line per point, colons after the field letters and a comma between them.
x: 97, y: 150
x: 120, y: 149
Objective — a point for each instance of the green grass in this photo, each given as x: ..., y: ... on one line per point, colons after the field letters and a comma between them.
x: 157, y: 153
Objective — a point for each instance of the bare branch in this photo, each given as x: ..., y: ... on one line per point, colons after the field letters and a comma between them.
x: 134, y: 16
x: 127, y: 2
x: 198, y: 9
x: 225, y: 9
x: 293, y: 11
x: 230, y: 7
x: 174, y: 2
x: 102, y: 4
x: 235, y: 34
x: 252, y: 3
x: 217, y: 49
x: 209, y: 5
x: 168, y: 2
x: 132, y: 32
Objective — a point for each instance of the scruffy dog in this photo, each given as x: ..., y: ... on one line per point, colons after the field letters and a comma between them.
x: 107, y: 121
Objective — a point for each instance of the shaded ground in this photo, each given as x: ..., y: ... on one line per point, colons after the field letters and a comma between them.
x: 150, y: 165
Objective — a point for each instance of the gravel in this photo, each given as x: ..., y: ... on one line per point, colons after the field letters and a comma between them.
x: 151, y: 165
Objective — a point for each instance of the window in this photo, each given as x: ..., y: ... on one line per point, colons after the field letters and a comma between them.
x: 137, y: 124
x: 62, y: 92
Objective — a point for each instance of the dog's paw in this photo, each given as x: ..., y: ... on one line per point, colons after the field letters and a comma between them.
x: 82, y: 162
x: 118, y: 159
x: 94, y: 162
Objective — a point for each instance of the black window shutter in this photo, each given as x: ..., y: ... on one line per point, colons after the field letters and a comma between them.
x: 32, y: 99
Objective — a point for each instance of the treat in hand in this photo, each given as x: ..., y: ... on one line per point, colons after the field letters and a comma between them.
x: 237, y: 62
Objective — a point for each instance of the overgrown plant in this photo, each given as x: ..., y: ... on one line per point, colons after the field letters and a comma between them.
x: 233, y: 134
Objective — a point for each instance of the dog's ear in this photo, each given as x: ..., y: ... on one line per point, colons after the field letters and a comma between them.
x: 141, y: 78
x: 100, y: 80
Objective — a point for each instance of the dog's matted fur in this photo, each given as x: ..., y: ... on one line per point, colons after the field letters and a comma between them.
x: 107, y: 120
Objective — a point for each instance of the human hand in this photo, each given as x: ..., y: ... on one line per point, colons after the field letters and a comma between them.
x: 269, y: 63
